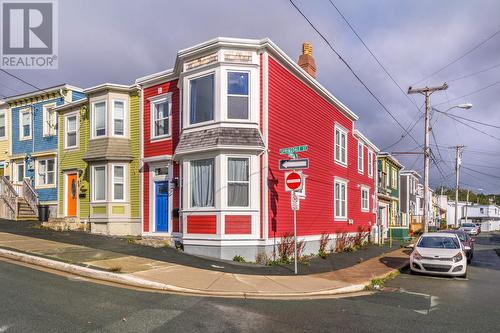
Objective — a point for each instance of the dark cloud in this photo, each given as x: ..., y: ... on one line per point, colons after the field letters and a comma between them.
x: 118, y: 41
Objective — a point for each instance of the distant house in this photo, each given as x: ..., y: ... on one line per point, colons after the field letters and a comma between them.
x: 487, y: 215
x: 389, y: 211
x: 410, y: 197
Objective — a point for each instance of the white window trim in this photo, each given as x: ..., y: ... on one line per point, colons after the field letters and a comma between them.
x: 72, y: 114
x: 394, y: 178
x: 124, y: 166
x: 248, y: 181
x: 21, y: 132
x: 342, y: 131
x: 233, y: 95
x: 37, y: 167
x: 92, y: 127
x: 15, y: 173
x: 92, y: 182
x: 190, y: 187
x: 341, y: 182
x: 155, y: 100
x: 46, y: 128
x: 6, y: 136
x: 188, y: 109
x: 367, y: 190
x: 361, y: 154
x: 125, y: 113
x: 370, y: 163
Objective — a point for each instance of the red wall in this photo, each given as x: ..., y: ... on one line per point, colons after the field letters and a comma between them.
x: 162, y: 147
x: 202, y: 224
x: 299, y: 116
x: 238, y: 224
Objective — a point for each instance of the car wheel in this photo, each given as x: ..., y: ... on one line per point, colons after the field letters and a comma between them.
x: 464, y: 276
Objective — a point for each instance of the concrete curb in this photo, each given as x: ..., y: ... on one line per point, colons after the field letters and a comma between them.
x: 133, y: 281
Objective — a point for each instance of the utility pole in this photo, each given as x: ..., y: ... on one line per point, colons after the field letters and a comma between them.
x: 458, y: 161
x: 427, y: 92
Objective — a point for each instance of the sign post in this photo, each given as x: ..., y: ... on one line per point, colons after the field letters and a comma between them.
x: 293, y: 181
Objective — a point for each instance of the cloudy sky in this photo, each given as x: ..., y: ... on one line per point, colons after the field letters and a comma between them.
x: 118, y: 41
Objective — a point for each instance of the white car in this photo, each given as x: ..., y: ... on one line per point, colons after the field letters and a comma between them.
x: 470, y: 228
x: 440, y: 254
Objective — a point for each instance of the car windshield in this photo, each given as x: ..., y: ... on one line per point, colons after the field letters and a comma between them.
x: 468, y: 225
x: 461, y: 236
x: 439, y: 242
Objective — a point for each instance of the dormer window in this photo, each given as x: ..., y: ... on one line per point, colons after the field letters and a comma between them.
x: 237, y: 95
x: 201, y: 99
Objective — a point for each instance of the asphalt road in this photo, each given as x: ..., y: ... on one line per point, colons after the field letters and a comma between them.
x: 36, y: 301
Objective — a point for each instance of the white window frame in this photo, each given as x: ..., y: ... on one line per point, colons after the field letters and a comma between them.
x: 337, y: 145
x: 190, y: 181
x: 125, y: 113
x: 93, y: 122
x: 66, y: 130
x: 365, y: 208
x: 49, y: 129
x: 92, y: 182
x: 216, y: 94
x: 38, y: 184
x: 21, y: 132
x: 394, y: 180
x: 6, y: 135
x: 157, y: 100
x: 344, y: 183
x: 237, y: 182
x: 370, y: 163
x: 124, y: 166
x: 15, y: 171
x: 240, y: 96
x: 361, y: 157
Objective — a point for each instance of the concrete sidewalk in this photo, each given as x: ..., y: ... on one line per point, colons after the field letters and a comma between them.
x: 160, y: 275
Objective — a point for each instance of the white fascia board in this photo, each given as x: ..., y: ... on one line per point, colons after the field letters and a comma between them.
x: 70, y: 105
x: 110, y: 86
x: 152, y: 79
x: 41, y: 92
x: 365, y: 140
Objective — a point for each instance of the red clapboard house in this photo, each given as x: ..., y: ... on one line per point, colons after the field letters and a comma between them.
x: 212, y: 130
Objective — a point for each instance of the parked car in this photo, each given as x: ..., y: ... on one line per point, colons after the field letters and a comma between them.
x: 466, y: 240
x: 469, y: 228
x: 439, y: 253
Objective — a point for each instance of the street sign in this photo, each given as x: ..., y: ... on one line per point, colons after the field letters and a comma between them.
x: 293, y: 181
x: 292, y: 151
x: 295, y: 201
x: 300, y: 163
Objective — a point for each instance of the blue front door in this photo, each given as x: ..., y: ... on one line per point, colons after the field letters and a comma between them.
x: 161, y: 206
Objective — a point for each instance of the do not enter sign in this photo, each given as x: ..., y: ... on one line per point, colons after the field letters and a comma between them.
x: 293, y: 181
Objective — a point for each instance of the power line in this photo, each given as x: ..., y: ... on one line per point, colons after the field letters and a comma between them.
x: 470, y: 94
x: 474, y: 128
x: 467, y: 119
x: 481, y: 173
x: 23, y: 81
x: 474, y: 73
x: 460, y: 57
x: 374, y: 56
x: 351, y: 70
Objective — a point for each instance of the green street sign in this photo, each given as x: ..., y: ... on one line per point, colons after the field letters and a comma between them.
x: 292, y: 151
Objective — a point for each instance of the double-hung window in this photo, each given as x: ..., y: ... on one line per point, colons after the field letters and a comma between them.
x: 118, y: 118
x: 370, y: 164
x: 3, y: 123
x: 18, y: 172
x: 25, y: 124
x: 237, y: 95
x: 340, y: 145
x: 201, y: 101
x: 340, y: 199
x: 202, y: 183
x: 46, y: 172
x: 361, y: 162
x: 118, y: 182
x: 71, y: 131
x: 238, y: 183
x: 394, y: 178
x: 49, y: 120
x: 99, y: 119
x: 99, y: 183
x: 365, y: 206
x: 161, y: 118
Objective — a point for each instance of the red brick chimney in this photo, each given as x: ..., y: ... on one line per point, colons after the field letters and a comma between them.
x: 306, y: 60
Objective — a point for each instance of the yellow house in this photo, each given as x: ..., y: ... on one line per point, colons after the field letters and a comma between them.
x: 5, y: 141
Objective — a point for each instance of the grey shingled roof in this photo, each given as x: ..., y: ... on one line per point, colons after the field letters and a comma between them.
x: 221, y: 136
x: 108, y: 149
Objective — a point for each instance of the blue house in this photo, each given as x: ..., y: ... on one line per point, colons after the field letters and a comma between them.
x: 34, y: 139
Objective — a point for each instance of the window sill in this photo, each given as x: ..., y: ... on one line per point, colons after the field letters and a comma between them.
x: 340, y: 219
x: 365, y: 210
x: 43, y: 187
x: 47, y: 135
x: 361, y: 172
x: 342, y: 164
x: 71, y: 148
x: 160, y: 138
x: 25, y: 138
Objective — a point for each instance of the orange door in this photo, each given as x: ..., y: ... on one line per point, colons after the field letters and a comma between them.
x: 72, y: 193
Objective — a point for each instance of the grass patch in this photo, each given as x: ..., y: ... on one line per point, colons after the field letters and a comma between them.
x: 377, y: 284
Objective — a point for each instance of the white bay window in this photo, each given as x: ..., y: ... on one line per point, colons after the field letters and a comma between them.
x: 118, y: 118
x: 99, y: 119
x: 99, y: 183
x: 237, y: 95
x: 202, y: 183
x: 118, y: 182
x: 238, y: 183
x: 201, y: 91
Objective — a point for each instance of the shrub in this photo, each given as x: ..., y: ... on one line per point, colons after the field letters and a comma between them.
x: 359, y: 240
x: 443, y: 225
x: 238, y: 258
x: 342, y: 242
x: 285, y: 248
x: 323, y: 243
x: 261, y: 258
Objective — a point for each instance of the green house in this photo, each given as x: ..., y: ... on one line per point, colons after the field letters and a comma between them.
x: 99, y: 161
x: 388, y: 190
